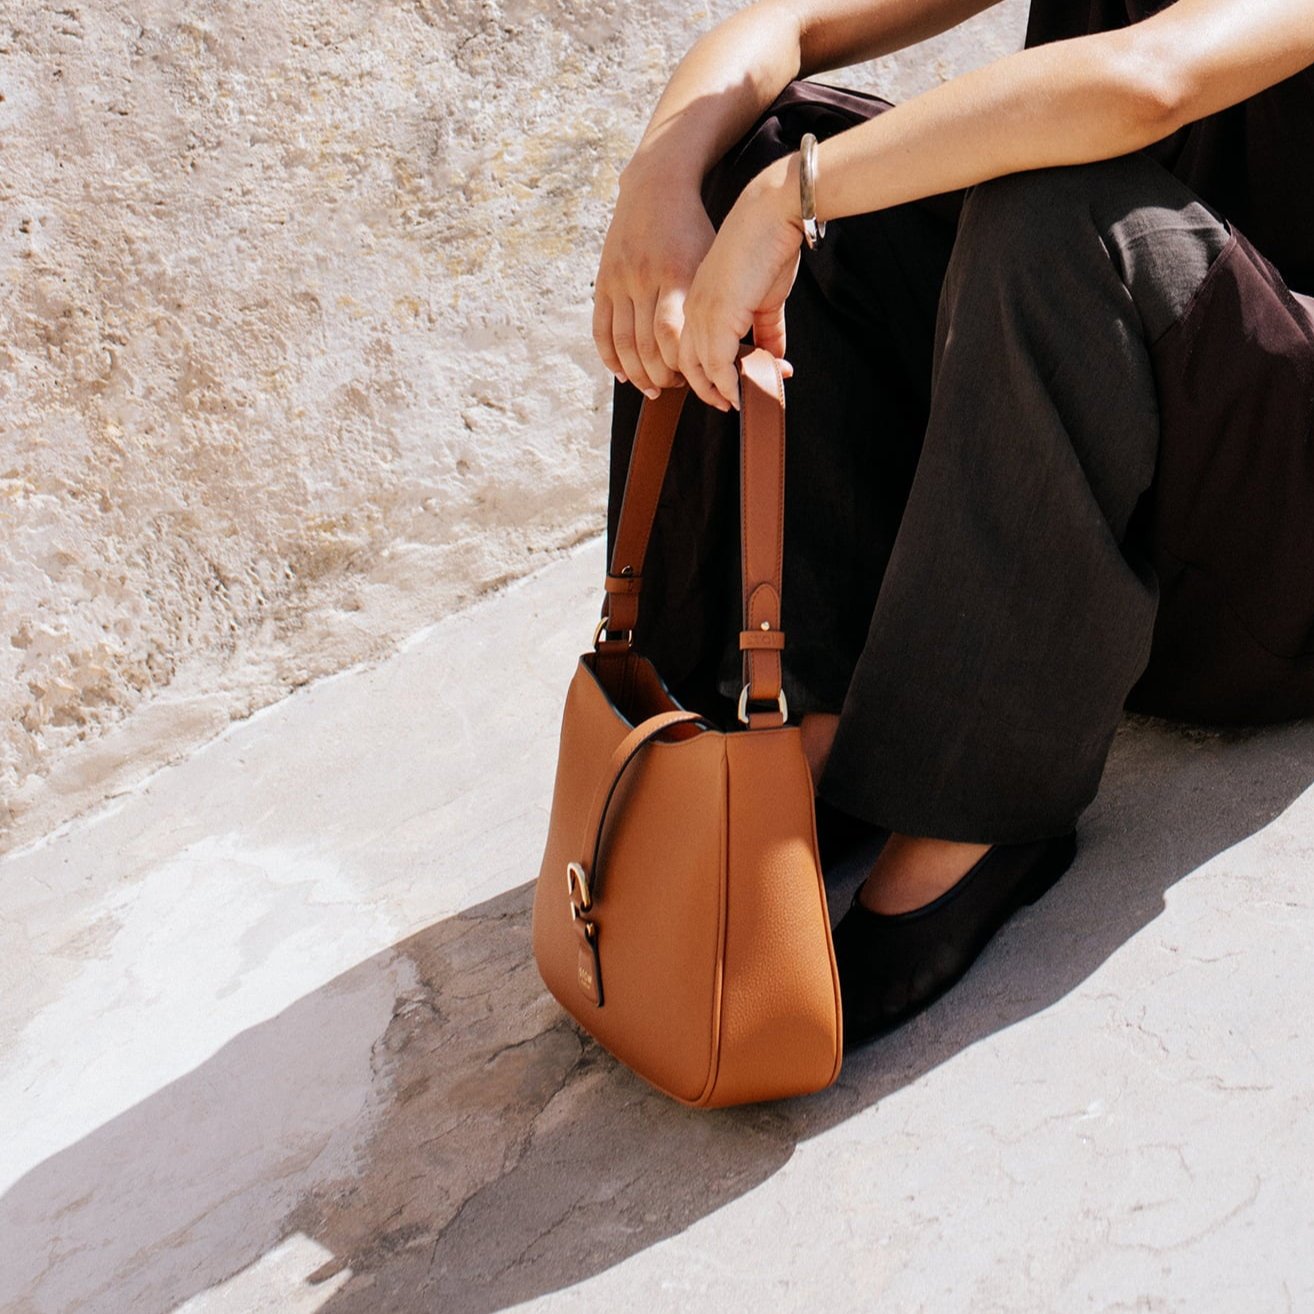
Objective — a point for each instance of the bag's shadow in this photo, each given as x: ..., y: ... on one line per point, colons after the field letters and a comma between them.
x: 502, y: 1155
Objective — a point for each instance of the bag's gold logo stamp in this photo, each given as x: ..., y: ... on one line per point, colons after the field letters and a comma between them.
x: 587, y: 973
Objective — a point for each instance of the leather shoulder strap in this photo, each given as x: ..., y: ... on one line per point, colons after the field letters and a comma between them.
x: 622, y: 756
x: 762, y: 534
x: 762, y: 512
x: 649, y: 458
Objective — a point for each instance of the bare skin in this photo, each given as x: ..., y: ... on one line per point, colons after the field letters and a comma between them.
x: 673, y: 298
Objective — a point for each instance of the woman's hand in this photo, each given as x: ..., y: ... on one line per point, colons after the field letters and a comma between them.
x: 742, y: 284
x: 658, y: 237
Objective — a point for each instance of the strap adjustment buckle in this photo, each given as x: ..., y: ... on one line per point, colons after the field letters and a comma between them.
x: 577, y: 886
x: 628, y: 639
x: 781, y: 705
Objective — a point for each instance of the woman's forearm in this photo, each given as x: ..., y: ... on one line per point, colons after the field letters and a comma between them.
x: 659, y: 232
x: 726, y: 80
x: 1066, y: 103
x: 1091, y: 98
x: 734, y: 71
x: 1072, y: 102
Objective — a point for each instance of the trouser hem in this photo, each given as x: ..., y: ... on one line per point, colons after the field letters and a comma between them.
x: 923, y: 818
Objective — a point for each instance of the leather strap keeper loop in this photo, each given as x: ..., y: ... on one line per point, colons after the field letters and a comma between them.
x: 770, y: 639
x: 624, y: 584
x: 622, y: 610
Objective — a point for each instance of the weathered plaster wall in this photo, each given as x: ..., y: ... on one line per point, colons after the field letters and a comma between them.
x: 294, y: 349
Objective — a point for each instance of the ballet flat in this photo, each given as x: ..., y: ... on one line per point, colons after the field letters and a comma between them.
x: 894, y: 965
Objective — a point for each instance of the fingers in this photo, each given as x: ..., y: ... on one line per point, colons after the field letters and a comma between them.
x: 602, y: 336
x: 711, y: 371
x: 702, y: 385
x: 646, y: 338
x: 666, y: 355
x: 636, y: 340
x: 658, y: 348
x: 626, y: 345
x: 668, y: 324
x: 725, y: 378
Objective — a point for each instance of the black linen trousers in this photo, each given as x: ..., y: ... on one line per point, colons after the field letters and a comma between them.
x: 971, y: 424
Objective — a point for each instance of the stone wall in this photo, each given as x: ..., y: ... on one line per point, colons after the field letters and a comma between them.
x: 294, y: 341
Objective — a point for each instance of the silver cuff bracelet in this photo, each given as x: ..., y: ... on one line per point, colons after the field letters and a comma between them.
x: 813, y: 229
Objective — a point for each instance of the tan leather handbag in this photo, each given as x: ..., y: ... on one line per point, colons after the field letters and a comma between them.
x: 680, y: 915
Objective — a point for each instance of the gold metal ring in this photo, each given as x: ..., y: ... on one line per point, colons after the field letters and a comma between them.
x: 577, y: 879
x: 602, y: 625
x: 743, y: 705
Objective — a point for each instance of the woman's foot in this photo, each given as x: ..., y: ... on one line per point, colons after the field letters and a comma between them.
x: 926, y: 910
x: 893, y: 965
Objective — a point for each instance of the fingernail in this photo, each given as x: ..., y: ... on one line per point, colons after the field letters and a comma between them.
x: 652, y: 393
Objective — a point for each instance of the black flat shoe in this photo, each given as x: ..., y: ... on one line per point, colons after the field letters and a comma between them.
x: 893, y: 965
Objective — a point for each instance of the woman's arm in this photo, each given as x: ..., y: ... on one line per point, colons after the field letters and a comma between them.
x: 659, y: 232
x: 1091, y: 98
x: 1071, y: 102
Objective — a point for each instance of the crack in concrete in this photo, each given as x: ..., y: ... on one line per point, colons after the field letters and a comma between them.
x: 519, y: 1147
x: 1195, y: 1237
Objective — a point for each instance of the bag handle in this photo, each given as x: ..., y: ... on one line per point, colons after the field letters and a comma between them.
x: 649, y: 457
x: 762, y: 535
x: 762, y: 514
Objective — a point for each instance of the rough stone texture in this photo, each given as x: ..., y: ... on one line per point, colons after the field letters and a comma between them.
x: 294, y: 346
x: 271, y: 1031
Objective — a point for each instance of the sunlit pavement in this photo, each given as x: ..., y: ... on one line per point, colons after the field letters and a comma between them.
x: 273, y: 1040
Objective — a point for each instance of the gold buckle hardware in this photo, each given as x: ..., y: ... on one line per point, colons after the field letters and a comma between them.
x: 576, y: 879
x: 602, y: 625
x: 743, y: 705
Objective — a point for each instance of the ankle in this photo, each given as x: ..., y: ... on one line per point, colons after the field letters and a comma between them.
x: 818, y: 730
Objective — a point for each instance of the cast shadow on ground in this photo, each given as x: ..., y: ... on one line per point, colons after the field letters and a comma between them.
x: 501, y: 1156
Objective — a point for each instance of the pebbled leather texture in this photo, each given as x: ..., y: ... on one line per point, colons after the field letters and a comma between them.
x: 680, y: 914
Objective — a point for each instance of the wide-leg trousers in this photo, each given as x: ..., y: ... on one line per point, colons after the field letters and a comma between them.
x: 971, y: 425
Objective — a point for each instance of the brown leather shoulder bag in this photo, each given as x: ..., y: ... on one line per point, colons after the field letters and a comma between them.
x: 680, y: 915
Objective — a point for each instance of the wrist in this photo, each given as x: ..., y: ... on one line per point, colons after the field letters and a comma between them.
x: 654, y: 170
x: 776, y: 190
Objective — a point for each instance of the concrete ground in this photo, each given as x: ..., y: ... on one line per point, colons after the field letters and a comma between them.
x: 273, y: 1040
